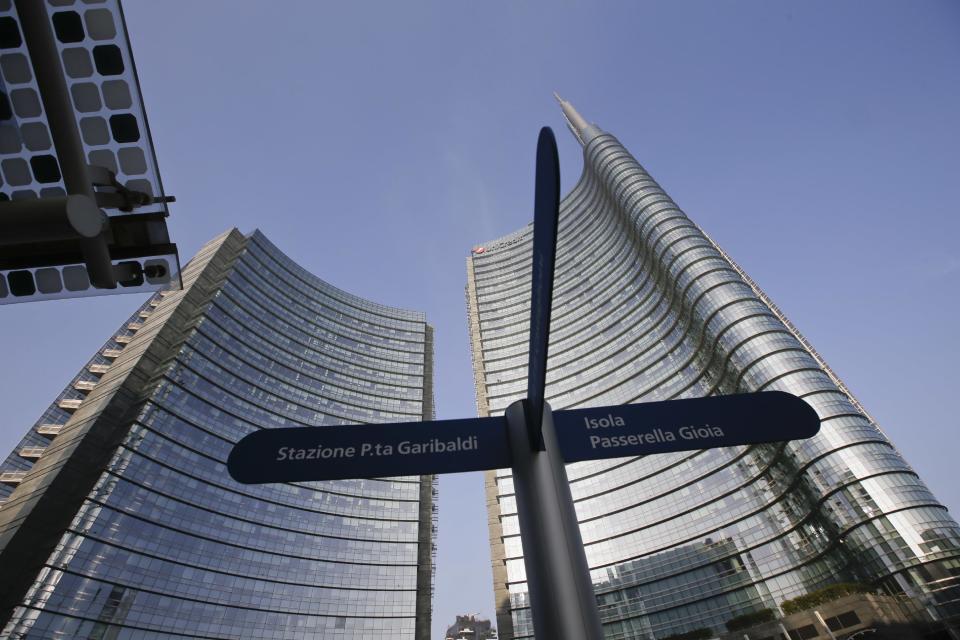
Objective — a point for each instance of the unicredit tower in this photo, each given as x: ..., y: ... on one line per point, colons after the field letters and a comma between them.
x: 647, y: 307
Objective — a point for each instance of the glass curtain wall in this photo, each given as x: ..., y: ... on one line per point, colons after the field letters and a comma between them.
x: 647, y: 307
x: 167, y: 545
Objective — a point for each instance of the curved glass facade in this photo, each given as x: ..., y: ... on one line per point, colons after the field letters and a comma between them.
x: 164, y: 544
x: 647, y: 307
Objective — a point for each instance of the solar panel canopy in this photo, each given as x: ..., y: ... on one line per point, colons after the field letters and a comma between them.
x: 98, y: 67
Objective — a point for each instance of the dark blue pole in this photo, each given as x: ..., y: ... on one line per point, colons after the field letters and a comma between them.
x: 562, y: 602
x: 546, y: 213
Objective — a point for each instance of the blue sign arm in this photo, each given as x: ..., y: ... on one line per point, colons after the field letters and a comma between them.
x: 545, y: 221
x: 302, y: 454
x: 683, y: 425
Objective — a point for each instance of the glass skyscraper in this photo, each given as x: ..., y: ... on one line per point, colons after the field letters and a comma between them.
x: 119, y: 520
x: 647, y: 307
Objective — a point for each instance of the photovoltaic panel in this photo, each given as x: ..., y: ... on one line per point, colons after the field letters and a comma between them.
x: 98, y: 66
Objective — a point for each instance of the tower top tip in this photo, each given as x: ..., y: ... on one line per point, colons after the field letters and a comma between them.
x: 581, y: 129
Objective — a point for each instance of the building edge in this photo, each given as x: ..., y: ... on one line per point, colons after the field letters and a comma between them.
x: 427, y: 516
x: 760, y: 293
x: 476, y: 346
x: 501, y: 593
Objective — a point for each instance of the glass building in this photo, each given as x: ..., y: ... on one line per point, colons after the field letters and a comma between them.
x: 119, y: 520
x: 647, y: 307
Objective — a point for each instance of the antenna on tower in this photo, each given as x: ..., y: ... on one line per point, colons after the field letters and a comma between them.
x: 578, y: 125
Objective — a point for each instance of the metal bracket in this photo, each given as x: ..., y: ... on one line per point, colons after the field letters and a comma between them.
x: 111, y: 194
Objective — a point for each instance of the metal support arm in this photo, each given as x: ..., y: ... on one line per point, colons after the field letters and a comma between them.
x: 58, y: 106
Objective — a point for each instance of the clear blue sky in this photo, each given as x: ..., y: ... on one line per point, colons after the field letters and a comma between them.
x: 375, y: 143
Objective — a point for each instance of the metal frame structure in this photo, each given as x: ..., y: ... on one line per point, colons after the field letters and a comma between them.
x: 58, y: 230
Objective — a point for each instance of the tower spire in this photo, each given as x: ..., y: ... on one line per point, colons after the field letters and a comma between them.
x: 581, y: 129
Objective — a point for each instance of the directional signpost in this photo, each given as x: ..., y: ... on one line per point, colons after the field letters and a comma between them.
x: 533, y: 440
x: 303, y: 454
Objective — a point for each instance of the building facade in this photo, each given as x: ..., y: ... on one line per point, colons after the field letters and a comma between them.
x: 471, y: 627
x: 875, y: 617
x: 647, y: 307
x: 119, y: 519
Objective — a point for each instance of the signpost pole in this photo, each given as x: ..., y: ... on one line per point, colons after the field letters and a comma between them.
x: 562, y: 602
